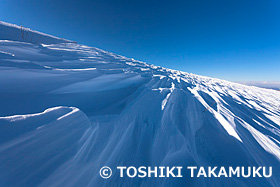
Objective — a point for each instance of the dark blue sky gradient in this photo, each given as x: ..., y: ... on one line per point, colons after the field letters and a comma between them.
x: 237, y: 40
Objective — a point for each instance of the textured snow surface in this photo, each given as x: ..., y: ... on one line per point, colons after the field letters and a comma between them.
x: 68, y: 109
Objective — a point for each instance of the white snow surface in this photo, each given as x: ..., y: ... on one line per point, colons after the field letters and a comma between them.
x: 68, y: 109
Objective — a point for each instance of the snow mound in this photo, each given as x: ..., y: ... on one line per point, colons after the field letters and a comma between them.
x: 123, y: 112
x: 33, y: 145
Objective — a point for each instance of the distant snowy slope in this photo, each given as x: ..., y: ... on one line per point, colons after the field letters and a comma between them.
x: 122, y: 112
x: 19, y: 33
x: 263, y: 84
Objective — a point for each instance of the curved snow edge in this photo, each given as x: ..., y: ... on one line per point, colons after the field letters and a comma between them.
x: 25, y: 116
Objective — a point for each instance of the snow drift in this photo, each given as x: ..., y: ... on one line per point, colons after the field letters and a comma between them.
x: 69, y: 109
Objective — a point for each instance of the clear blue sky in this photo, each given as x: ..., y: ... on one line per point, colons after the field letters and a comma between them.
x: 237, y: 40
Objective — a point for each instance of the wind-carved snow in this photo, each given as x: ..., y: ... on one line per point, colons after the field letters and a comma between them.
x: 25, y: 116
x: 168, y: 95
x: 231, y: 131
x: 120, y: 111
x: 264, y: 141
x: 68, y: 114
x: 3, y: 52
x: 84, y: 69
